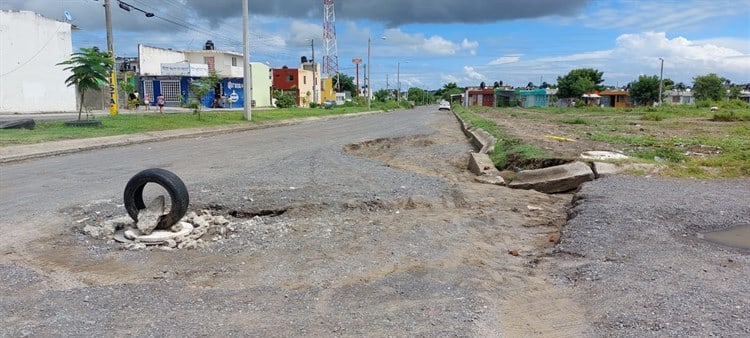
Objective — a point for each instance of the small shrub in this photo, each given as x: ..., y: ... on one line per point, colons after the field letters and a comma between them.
x: 314, y: 105
x: 285, y: 100
x: 730, y: 116
x: 705, y: 103
x: 661, y: 154
x: 577, y: 120
x: 653, y: 116
x: 734, y: 104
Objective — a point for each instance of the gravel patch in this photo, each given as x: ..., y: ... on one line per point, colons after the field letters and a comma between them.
x: 633, y: 252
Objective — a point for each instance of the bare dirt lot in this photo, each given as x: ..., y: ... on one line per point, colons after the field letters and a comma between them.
x: 468, y: 260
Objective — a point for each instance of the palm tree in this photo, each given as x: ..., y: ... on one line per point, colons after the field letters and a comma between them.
x: 90, y: 69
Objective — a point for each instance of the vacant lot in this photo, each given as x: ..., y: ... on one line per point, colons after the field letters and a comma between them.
x: 682, y: 142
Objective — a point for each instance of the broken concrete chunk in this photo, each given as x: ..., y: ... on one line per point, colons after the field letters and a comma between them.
x: 481, y: 164
x: 603, y: 169
x: 487, y: 179
x: 148, y: 218
x: 555, y: 179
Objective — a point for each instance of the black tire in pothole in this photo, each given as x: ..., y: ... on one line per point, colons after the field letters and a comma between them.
x: 178, y: 195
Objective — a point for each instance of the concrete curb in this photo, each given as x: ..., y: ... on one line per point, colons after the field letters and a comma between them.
x: 30, y: 151
x: 480, y: 162
x: 482, y: 140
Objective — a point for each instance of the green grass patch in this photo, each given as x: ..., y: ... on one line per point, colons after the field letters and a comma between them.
x: 661, y: 154
x: 634, y: 140
x: 124, y: 124
x: 507, y: 148
x: 577, y: 120
x: 731, y: 116
x: 654, y: 116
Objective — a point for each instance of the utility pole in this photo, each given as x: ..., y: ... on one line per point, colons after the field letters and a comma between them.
x: 369, y: 69
x: 247, y: 75
x: 315, y: 82
x: 398, y: 82
x: 661, y: 80
x: 111, y: 50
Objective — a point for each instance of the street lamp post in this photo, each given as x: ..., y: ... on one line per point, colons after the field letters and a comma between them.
x: 661, y: 81
x: 398, y: 81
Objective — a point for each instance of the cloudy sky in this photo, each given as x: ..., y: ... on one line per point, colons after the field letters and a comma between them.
x: 440, y: 41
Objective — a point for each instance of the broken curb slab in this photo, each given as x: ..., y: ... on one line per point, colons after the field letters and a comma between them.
x: 603, y: 155
x: 604, y: 169
x: 481, y: 164
x: 488, y: 179
x: 555, y: 179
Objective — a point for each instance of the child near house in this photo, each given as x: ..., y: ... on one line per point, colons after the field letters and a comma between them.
x: 160, y: 103
x: 147, y: 101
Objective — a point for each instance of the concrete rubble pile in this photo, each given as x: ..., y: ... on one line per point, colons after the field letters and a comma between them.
x: 195, y: 230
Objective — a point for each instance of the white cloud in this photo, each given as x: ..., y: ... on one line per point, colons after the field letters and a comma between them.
x: 595, y: 55
x: 472, y: 74
x: 471, y: 46
x: 643, y: 15
x: 506, y: 59
x: 631, y: 55
x: 302, y: 32
x: 440, y: 46
x: 683, y: 55
x: 418, y: 43
x: 447, y: 78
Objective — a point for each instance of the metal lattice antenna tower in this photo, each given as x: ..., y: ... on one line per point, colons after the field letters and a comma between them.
x: 330, y: 51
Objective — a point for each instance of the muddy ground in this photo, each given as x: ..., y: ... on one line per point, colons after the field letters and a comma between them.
x: 473, y: 260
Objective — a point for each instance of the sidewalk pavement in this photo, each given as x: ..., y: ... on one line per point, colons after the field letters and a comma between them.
x: 22, y: 152
x: 28, y: 151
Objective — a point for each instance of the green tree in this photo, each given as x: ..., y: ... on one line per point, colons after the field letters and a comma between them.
x: 668, y: 84
x: 381, y: 95
x: 346, y: 83
x: 449, y: 89
x: 579, y: 81
x: 417, y: 95
x: 734, y: 92
x: 128, y: 88
x: 201, y: 87
x: 283, y: 99
x: 90, y: 69
x: 709, y: 87
x: 645, y: 91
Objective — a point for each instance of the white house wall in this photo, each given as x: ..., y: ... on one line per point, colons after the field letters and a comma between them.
x: 261, y: 75
x: 151, y: 58
x: 30, y: 49
x: 222, y: 61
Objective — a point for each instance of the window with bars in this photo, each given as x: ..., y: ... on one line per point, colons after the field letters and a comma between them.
x: 148, y: 90
x: 170, y: 89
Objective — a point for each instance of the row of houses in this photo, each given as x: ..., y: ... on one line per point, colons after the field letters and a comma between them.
x: 505, y: 96
x: 169, y: 73
x: 31, y: 80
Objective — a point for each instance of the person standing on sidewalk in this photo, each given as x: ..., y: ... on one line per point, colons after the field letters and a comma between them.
x: 160, y: 103
x: 147, y: 101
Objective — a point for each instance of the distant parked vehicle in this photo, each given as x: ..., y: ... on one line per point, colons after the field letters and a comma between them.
x: 444, y: 105
x: 329, y: 104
